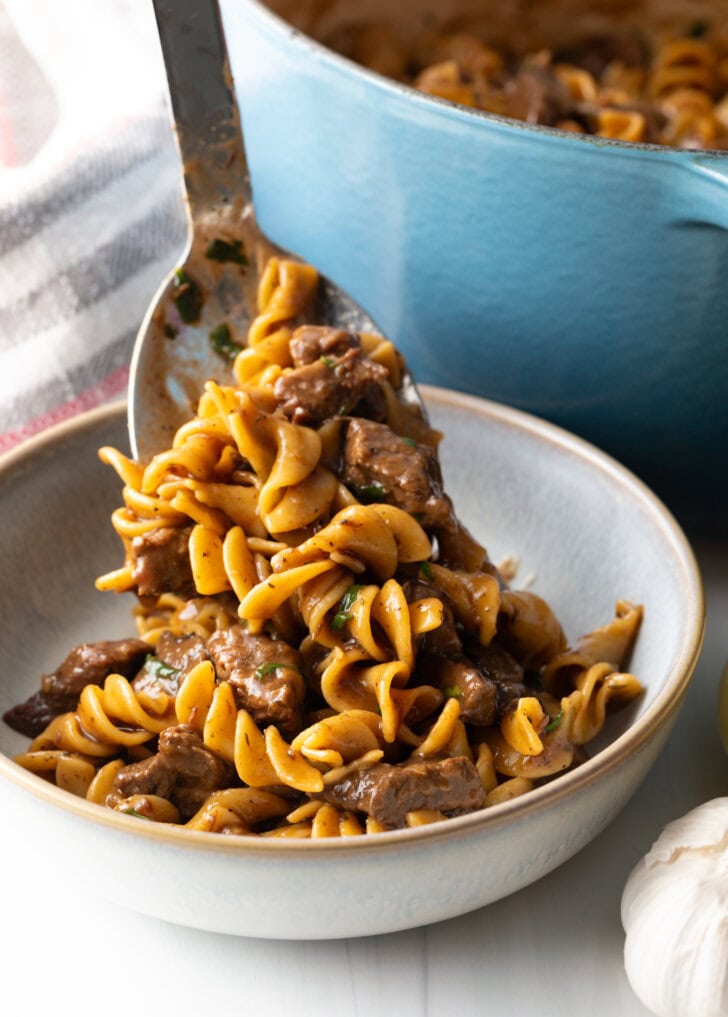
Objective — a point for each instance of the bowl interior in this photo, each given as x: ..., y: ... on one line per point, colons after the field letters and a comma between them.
x: 583, y: 532
x: 57, y: 499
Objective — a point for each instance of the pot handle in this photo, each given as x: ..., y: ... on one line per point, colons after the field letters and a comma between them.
x: 710, y: 177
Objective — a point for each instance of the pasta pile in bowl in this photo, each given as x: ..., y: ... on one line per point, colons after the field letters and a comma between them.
x: 327, y: 667
x: 324, y: 650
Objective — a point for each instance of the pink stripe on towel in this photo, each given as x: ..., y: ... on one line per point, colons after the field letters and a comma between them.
x: 113, y: 385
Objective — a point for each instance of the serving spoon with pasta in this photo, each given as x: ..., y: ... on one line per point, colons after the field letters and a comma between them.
x: 201, y: 314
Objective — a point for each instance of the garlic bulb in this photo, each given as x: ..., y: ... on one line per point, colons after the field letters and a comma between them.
x: 675, y: 915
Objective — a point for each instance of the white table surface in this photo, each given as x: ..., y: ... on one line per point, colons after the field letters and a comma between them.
x: 555, y: 948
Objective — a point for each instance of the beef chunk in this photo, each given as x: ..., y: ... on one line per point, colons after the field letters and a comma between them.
x: 443, y: 641
x: 311, y: 342
x: 596, y: 52
x: 177, y: 655
x: 496, y: 662
x: 388, y: 793
x: 183, y: 771
x: 404, y: 474
x: 535, y: 94
x: 476, y: 693
x: 265, y: 674
x: 485, y: 680
x: 90, y: 663
x: 458, y: 549
x: 161, y: 562
x: 87, y: 664
x: 332, y: 386
x: 181, y: 652
x: 35, y: 714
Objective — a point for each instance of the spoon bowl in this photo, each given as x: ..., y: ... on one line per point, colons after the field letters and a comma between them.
x: 201, y: 314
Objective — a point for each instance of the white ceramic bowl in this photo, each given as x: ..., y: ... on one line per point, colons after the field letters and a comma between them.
x: 585, y: 532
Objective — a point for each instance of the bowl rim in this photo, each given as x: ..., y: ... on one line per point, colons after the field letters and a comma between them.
x: 516, y: 810
x: 457, y: 110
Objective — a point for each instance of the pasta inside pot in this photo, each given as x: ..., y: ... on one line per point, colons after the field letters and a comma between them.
x: 629, y: 70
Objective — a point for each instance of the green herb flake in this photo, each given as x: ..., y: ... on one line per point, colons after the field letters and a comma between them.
x: 328, y: 361
x: 187, y: 297
x: 554, y: 722
x: 371, y: 492
x: 410, y: 441
x: 222, y: 342
x: 153, y: 665
x: 227, y: 251
x: 343, y: 611
x: 426, y: 569
x: 453, y: 692
x: 133, y: 812
x: 340, y: 619
x: 264, y: 670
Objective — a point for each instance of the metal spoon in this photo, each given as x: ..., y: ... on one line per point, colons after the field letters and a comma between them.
x: 205, y: 307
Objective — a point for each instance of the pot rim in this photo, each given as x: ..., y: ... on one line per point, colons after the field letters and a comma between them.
x: 448, y: 107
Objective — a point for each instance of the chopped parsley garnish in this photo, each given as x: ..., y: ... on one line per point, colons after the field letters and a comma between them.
x: 133, y: 812
x: 453, y: 692
x: 371, y: 492
x: 426, y: 569
x: 187, y: 296
x: 227, y: 250
x: 554, y: 722
x: 222, y: 342
x: 410, y: 441
x: 263, y: 670
x: 328, y: 361
x: 158, y: 668
x: 343, y: 611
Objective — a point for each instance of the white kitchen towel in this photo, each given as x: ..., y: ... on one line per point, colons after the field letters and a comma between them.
x: 91, y: 209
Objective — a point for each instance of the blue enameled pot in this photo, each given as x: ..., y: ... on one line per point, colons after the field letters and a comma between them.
x: 580, y: 279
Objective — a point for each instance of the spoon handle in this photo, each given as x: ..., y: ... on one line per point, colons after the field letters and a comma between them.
x: 205, y: 111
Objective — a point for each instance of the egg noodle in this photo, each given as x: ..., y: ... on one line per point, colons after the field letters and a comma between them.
x: 324, y: 649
